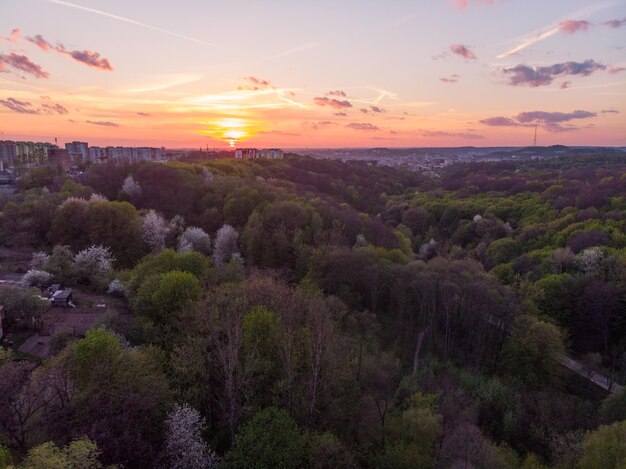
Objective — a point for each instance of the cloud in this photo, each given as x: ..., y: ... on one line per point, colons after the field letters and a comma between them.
x: 609, y: 111
x: 463, y: 51
x: 613, y: 69
x: 51, y: 108
x: 463, y: 4
x: 439, y: 133
x: 500, y: 122
x: 551, y: 121
x: 13, y: 37
x: 279, y: 133
x: 87, y: 57
x: 144, y: 114
x: 21, y: 107
x: 565, y: 85
x: 617, y: 23
x: 573, y: 26
x: 523, y: 75
x: 91, y: 59
x: 23, y: 64
x: 338, y: 93
x: 40, y: 42
x: 334, y: 103
x: 257, y: 81
x: 340, y: 114
x: 377, y: 109
x: 103, y: 123
x: 365, y: 126
x: 454, y: 78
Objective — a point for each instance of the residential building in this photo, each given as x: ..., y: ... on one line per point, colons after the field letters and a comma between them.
x: 8, y: 153
x: 78, y: 152
x: 253, y: 154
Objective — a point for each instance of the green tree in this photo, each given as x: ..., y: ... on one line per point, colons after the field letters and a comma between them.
x: 605, y: 447
x: 533, y: 351
x: 413, y: 433
x: 177, y: 292
x: 79, y: 454
x: 269, y: 440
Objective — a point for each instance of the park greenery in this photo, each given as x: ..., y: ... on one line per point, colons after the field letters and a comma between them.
x: 313, y: 313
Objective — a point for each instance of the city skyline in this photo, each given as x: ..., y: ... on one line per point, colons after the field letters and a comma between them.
x: 453, y: 73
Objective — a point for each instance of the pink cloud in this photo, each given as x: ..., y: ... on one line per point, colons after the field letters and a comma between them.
x: 23, y: 64
x: 13, y: 37
x: 615, y: 69
x: 454, y: 78
x: 551, y: 121
x: 573, y: 26
x: 463, y: 51
x: 365, y: 126
x: 524, y: 75
x: 87, y: 57
x: 338, y: 93
x: 463, y: 4
x: 334, y: 103
x: 617, y: 23
x: 257, y: 81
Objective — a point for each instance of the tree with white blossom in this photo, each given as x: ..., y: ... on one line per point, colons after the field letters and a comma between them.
x: 184, y: 446
x: 39, y: 260
x: 131, y: 187
x: 225, y: 245
x: 194, y: 239
x: 36, y: 278
x: 154, y: 231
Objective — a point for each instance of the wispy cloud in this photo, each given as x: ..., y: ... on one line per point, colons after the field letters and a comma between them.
x: 86, y: 57
x: 334, y: 103
x: 441, y: 133
x: 23, y: 64
x: 13, y: 38
x: 551, y: 121
x: 552, y: 29
x: 617, y: 23
x: 463, y: 51
x: 27, y: 107
x: 524, y: 75
x: 21, y: 107
x: 574, y: 26
x: 134, y: 22
x: 103, y: 123
x: 364, y: 126
x: 454, y: 78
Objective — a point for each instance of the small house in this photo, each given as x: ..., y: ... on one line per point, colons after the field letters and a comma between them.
x: 62, y: 298
x: 52, y: 289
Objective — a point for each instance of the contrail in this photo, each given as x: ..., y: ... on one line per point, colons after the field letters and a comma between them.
x: 555, y: 28
x: 135, y: 22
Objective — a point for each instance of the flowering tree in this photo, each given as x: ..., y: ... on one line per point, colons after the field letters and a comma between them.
x: 225, y: 244
x: 95, y: 258
x: 154, y: 231
x: 97, y: 197
x: 590, y: 260
x: 39, y: 260
x: 36, y: 278
x: 194, y: 239
x: 131, y: 187
x: 116, y: 287
x: 184, y: 447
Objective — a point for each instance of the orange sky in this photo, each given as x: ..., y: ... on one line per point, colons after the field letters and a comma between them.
x: 317, y: 74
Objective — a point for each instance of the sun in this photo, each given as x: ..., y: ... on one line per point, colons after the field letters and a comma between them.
x: 231, y: 129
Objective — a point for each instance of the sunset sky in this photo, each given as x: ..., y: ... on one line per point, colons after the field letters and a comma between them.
x: 321, y: 73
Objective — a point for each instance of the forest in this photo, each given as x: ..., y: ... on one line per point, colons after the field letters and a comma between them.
x: 307, y: 313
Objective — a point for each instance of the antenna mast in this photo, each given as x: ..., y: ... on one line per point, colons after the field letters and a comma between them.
x: 535, y: 139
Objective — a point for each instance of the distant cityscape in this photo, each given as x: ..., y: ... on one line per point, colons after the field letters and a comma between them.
x: 76, y: 155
